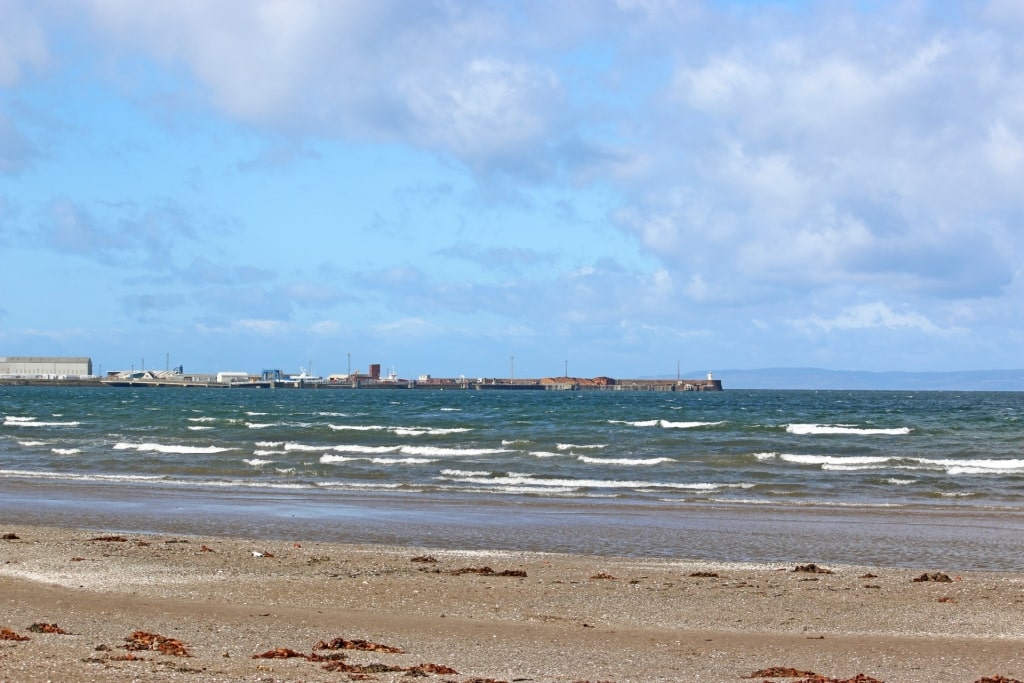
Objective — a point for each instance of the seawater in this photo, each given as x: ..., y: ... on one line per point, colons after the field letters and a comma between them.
x: 624, y: 472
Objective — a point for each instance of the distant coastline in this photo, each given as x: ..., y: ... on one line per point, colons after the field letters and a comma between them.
x: 821, y: 379
x: 813, y: 379
x: 368, y: 383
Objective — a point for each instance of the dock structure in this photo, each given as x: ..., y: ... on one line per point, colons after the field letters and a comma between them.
x: 437, y: 384
x: 275, y: 379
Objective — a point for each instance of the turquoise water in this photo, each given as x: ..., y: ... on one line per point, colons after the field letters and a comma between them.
x: 633, y: 468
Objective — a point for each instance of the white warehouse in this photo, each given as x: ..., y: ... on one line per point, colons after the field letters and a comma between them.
x: 45, y: 367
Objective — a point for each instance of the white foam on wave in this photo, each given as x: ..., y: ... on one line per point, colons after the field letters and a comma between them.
x: 451, y: 410
x: 689, y: 425
x: 270, y: 444
x: 67, y: 451
x: 256, y: 462
x: 797, y: 428
x: 512, y: 479
x: 327, y: 458
x: 443, y: 452
x: 202, y: 419
x: 261, y: 452
x: 545, y: 454
x: 402, y: 461
x: 666, y: 424
x: 624, y: 461
x: 15, y: 421
x: 635, y: 423
x: 951, y: 466
x: 305, y: 448
x: 170, y: 448
x: 29, y: 444
x: 357, y: 448
x: 832, y: 460
x: 253, y: 413
x: 358, y: 485
x: 402, y: 430
x: 432, y: 431
x: 199, y: 428
x: 580, y: 447
x: 986, y: 467
x: 465, y: 473
x: 769, y: 455
x: 74, y: 476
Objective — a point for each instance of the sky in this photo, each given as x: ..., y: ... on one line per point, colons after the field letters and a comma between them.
x: 629, y: 188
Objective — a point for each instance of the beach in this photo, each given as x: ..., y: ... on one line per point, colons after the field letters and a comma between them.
x: 329, y: 611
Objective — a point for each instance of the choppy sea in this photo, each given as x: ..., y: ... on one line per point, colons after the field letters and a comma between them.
x: 874, y: 477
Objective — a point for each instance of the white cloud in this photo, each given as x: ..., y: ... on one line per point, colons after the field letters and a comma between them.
x: 871, y: 315
x: 23, y: 45
x: 1005, y: 150
x: 489, y: 108
x: 408, y: 327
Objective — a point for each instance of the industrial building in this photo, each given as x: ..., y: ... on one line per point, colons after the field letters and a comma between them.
x: 45, y: 367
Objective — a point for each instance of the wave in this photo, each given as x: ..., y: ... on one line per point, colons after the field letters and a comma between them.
x: 951, y: 466
x: 74, y: 476
x: 291, y: 446
x: 666, y: 424
x: 465, y: 473
x: 29, y: 444
x: 256, y: 462
x: 14, y: 421
x: 67, y: 451
x: 545, y: 454
x: 458, y: 452
x: 200, y: 428
x: 356, y: 448
x: 580, y: 447
x: 327, y: 458
x: 402, y: 431
x: 798, y: 428
x: 165, y: 448
x: 836, y: 459
x: 624, y: 461
x: 433, y: 431
x: 577, y: 484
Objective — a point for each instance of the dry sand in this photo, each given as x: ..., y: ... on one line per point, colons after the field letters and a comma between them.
x: 569, y: 618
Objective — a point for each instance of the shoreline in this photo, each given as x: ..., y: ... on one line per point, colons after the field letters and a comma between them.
x: 487, y: 615
x: 952, y: 538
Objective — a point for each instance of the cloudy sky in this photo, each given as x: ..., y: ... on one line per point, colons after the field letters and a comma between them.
x: 622, y: 186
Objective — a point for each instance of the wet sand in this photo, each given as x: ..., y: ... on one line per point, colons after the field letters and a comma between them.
x: 475, y: 615
x: 956, y: 538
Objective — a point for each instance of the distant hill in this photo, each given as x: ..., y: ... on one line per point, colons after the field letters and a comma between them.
x: 817, y: 378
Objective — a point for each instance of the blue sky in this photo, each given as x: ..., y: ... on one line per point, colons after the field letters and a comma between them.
x: 440, y: 186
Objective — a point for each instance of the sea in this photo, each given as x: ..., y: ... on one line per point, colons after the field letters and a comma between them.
x: 892, y: 478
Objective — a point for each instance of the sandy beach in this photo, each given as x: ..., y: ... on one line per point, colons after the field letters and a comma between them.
x: 85, y: 605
